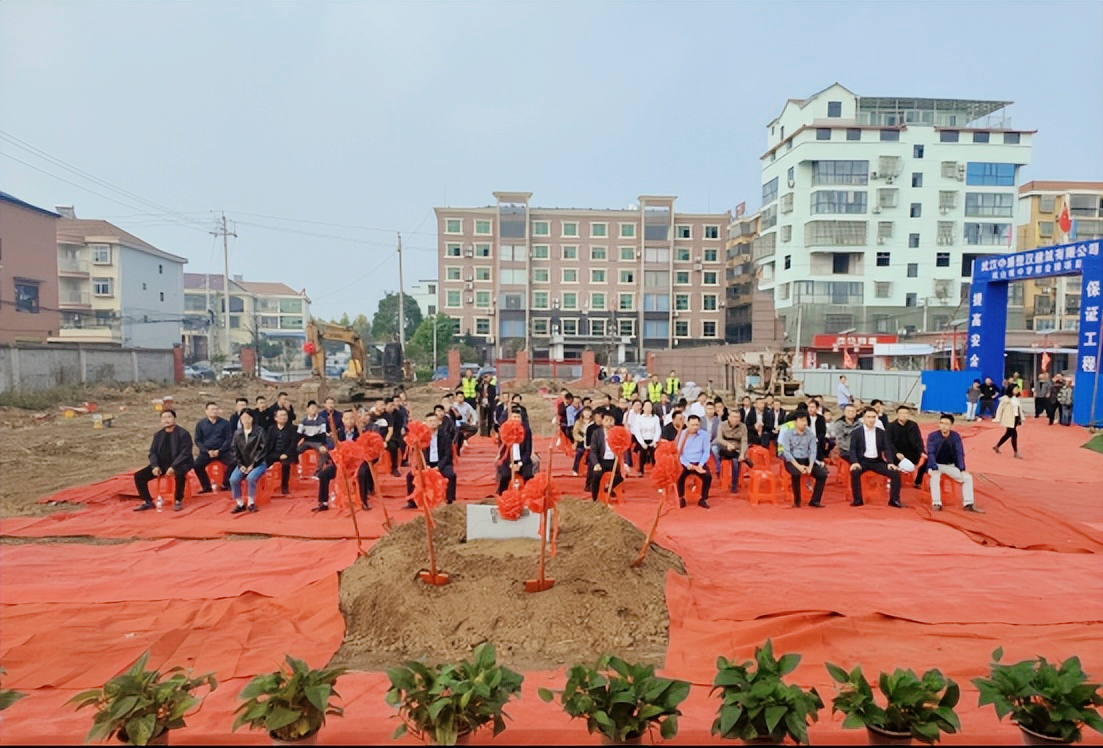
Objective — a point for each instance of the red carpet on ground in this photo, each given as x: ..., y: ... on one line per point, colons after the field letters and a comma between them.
x: 874, y: 585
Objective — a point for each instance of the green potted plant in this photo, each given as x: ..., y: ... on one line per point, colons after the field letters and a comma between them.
x: 620, y: 700
x: 757, y: 705
x: 292, y: 704
x: 140, y: 706
x: 8, y: 696
x: 445, y: 704
x: 919, y: 708
x: 1049, y: 703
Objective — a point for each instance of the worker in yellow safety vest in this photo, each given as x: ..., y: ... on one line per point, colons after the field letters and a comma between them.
x: 654, y: 389
x: 673, y: 385
x: 628, y: 387
x: 469, y: 385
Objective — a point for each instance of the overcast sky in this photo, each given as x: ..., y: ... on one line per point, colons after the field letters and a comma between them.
x: 372, y: 114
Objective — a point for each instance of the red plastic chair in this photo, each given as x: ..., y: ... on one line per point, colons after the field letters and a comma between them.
x: 308, y: 463
x: 762, y: 458
x: 765, y: 486
x: 874, y: 487
x: 693, y: 489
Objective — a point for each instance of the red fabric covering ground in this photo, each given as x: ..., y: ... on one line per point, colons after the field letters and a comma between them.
x: 874, y: 585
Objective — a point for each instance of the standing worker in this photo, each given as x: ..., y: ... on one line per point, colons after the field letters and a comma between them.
x: 654, y: 389
x: 469, y: 385
x: 673, y: 385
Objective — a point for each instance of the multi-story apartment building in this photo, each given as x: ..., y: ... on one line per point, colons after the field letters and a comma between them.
x: 424, y: 293
x: 116, y: 288
x: 257, y: 309
x: 555, y: 281
x: 750, y: 316
x: 1054, y: 303
x: 873, y: 209
x: 28, y: 272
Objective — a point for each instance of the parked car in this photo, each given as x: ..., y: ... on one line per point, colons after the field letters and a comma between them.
x: 199, y: 371
x: 270, y: 376
x: 486, y: 370
x: 441, y: 372
x: 230, y: 370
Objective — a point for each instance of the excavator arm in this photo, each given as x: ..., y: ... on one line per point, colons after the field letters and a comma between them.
x: 318, y: 332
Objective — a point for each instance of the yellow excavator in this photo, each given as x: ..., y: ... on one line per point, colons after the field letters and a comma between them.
x: 356, y: 384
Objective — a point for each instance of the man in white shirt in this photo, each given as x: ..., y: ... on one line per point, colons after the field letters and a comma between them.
x: 871, y: 450
x: 438, y: 455
x: 467, y: 420
x: 517, y: 458
x: 697, y: 407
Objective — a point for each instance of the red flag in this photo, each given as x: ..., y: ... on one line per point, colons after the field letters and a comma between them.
x: 953, y: 358
x: 1045, y: 360
x: 1064, y: 220
x: 848, y: 360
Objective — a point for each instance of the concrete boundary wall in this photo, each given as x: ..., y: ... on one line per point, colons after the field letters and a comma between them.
x: 894, y: 387
x: 43, y: 367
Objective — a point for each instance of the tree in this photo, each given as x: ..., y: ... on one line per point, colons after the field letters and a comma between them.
x: 419, y: 349
x: 384, y: 325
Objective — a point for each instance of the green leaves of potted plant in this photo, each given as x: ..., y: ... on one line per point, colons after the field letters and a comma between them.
x: 444, y: 705
x: 292, y: 704
x: 140, y: 706
x: 620, y: 700
x: 920, y: 708
x: 1050, y: 703
x: 757, y: 705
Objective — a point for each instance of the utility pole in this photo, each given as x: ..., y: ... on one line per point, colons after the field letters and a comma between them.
x: 401, y: 306
x: 225, y: 276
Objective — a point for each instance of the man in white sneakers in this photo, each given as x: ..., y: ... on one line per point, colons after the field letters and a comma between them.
x: 946, y: 456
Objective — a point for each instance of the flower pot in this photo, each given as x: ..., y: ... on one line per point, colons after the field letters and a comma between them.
x: 311, y: 739
x: 162, y: 739
x: 767, y: 740
x: 462, y: 739
x: 606, y: 740
x: 880, y: 736
x: 1032, y: 738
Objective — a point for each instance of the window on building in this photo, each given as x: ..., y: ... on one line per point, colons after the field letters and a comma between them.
x: 627, y: 254
x: 452, y: 298
x: 656, y: 328
x: 834, y: 109
x: 570, y: 252
x: 539, y: 299
x: 656, y: 278
x: 540, y: 275
x: 988, y: 234
x: 884, y: 229
x: 835, y: 233
x: 987, y: 174
x: 710, y: 278
x: 708, y: 329
x: 540, y: 252
x: 597, y: 328
x: 1045, y: 228
x: 916, y: 210
x: 539, y: 326
x: 769, y: 194
x: 1011, y: 138
x: 570, y: 300
x: 890, y: 135
x: 681, y: 277
x: 654, y: 254
x: 681, y: 302
x: 913, y: 270
x: 910, y: 299
x: 101, y: 254
x: 102, y: 286
x: 882, y: 290
x: 453, y: 226
x: 1085, y: 206
x: 835, y: 323
x: 708, y: 302
x: 513, y: 301
x: 823, y: 133
x: 913, y: 241
x: 681, y: 328
x: 598, y: 253
x: 989, y: 204
x: 482, y: 273
x: 840, y: 172
x: 1047, y: 203
x: 627, y: 230
x: 570, y: 326
x: 483, y: 250
x: 597, y: 301
x: 482, y: 299
x: 512, y: 277
x: 597, y: 275
x: 839, y: 201
x: 917, y: 151
x: 946, y: 231
x: 627, y: 276
x: 840, y: 263
x: 452, y: 250
x: 948, y: 136
x: 942, y: 260
x: 570, y: 228
x: 26, y: 296
x: 980, y: 137
x: 681, y: 254
x: 888, y: 197
x: 452, y: 274
x: 570, y: 275
x: 884, y: 259
x: 711, y: 255
x: 626, y: 302
x: 917, y: 179
x: 790, y: 175
x: 512, y: 328
x: 599, y: 229
x: 482, y: 227
x: 787, y: 263
x: 712, y: 232
x: 786, y: 233
x: 482, y: 326
x: 947, y: 200
x: 656, y: 302
x: 853, y: 133
x: 540, y: 228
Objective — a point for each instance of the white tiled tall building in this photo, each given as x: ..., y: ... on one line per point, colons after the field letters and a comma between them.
x: 555, y: 280
x: 874, y: 208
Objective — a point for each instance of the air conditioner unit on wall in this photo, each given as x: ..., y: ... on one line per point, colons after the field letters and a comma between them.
x: 876, y: 208
x: 468, y: 286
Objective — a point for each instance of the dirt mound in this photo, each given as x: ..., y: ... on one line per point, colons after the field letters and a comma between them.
x: 599, y: 604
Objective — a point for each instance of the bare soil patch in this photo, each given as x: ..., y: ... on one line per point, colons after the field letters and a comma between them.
x: 599, y: 604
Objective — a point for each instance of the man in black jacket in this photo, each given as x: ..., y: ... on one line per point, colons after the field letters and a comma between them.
x: 602, y: 458
x: 283, y: 439
x: 817, y: 424
x: 169, y: 455
x: 515, y: 458
x: 907, y: 442
x: 488, y: 393
x: 251, y: 454
x: 437, y: 455
x: 871, y: 450
x: 988, y: 394
x: 761, y: 424
x: 213, y: 437
x: 282, y: 401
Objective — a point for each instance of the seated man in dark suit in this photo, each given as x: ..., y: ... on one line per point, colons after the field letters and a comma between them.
x: 602, y: 458
x: 437, y: 455
x: 870, y: 449
x: 169, y: 455
x: 517, y: 457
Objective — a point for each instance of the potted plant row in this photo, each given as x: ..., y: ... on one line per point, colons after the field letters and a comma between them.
x: 919, y: 708
x: 290, y: 704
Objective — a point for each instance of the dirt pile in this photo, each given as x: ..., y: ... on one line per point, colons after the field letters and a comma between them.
x: 599, y: 604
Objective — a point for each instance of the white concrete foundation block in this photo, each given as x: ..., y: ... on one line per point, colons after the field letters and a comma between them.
x: 484, y: 523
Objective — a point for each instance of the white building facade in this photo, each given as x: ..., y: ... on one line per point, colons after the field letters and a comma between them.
x: 424, y: 293
x: 873, y: 209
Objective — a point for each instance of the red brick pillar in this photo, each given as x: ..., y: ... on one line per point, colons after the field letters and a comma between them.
x: 177, y: 363
x: 650, y: 362
x: 522, y: 367
x: 249, y: 361
x: 454, y: 365
x: 589, y: 370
